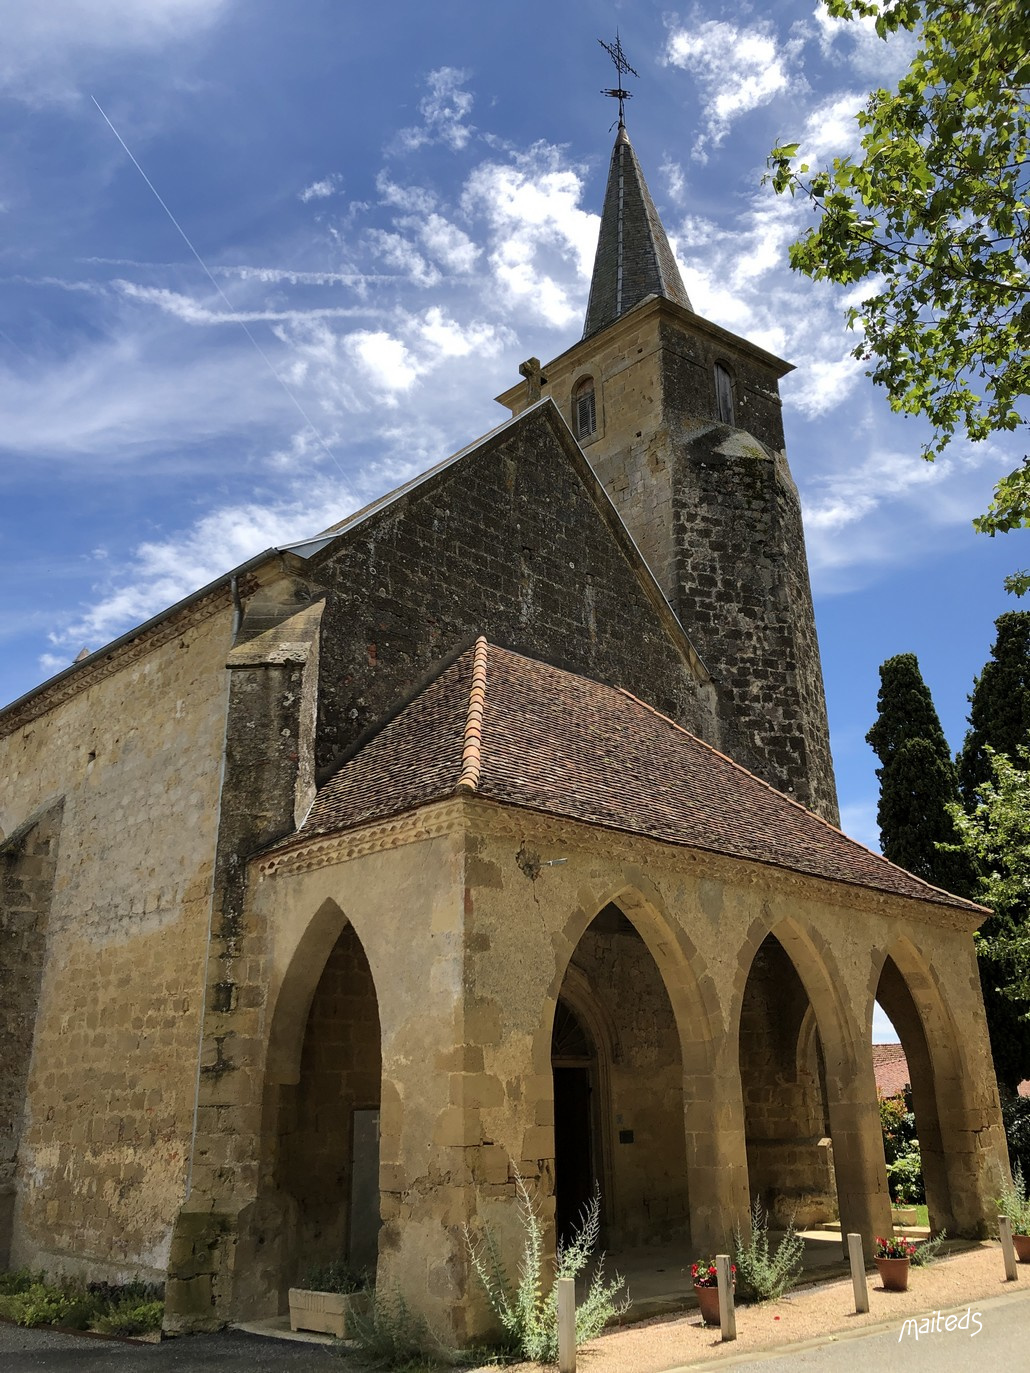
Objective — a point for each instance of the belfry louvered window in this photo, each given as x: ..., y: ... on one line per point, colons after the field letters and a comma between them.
x: 723, y: 394
x: 584, y: 408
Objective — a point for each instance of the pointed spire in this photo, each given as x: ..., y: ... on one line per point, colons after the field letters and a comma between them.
x: 633, y: 258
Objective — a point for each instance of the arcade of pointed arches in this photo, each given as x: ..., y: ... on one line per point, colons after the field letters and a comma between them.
x: 646, y: 1073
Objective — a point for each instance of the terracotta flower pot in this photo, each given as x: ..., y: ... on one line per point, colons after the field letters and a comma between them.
x: 708, y: 1303
x: 893, y: 1274
x: 1022, y: 1247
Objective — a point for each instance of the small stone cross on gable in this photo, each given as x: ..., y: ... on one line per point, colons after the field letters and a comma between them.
x: 535, y: 379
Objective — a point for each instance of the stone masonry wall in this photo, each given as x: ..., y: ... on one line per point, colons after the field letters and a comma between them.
x: 744, y: 593
x: 717, y: 516
x: 111, y: 1086
x: 506, y: 544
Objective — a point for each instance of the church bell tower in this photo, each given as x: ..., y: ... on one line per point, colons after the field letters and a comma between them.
x: 681, y: 421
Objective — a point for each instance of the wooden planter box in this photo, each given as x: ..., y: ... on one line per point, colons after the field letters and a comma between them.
x: 325, y: 1312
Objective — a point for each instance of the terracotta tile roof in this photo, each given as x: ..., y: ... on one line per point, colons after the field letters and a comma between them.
x: 523, y: 733
x: 891, y: 1068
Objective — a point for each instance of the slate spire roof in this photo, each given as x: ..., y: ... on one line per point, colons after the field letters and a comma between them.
x: 633, y: 257
x: 519, y: 732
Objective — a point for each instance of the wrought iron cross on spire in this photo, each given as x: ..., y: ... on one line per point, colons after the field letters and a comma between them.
x: 614, y: 51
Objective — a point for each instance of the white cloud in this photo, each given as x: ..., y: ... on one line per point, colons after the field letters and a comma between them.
x: 385, y: 361
x: 444, y: 112
x: 163, y: 571
x: 844, y: 497
x: 50, y: 49
x: 873, y: 504
x: 121, y: 397
x: 831, y: 130
x: 288, y: 276
x: 450, y: 245
x: 737, y: 69
x: 446, y: 338
x: 189, y: 311
x: 398, y: 251
x: 675, y: 181
x: 414, y: 199
x: 855, y: 43
x: 321, y: 190
x: 542, y: 243
x: 824, y: 382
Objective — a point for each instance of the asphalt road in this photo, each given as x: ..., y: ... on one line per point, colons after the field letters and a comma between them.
x: 1002, y: 1341
x: 25, y: 1351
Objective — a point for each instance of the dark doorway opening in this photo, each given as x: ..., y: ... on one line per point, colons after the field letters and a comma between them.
x: 574, y: 1171
x: 576, y: 1163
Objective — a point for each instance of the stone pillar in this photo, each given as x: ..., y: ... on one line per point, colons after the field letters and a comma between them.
x: 861, y: 1172
x: 975, y: 1152
x: 717, y: 1179
x: 431, y: 1149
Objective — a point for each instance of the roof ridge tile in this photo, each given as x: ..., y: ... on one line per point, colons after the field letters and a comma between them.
x: 472, y: 740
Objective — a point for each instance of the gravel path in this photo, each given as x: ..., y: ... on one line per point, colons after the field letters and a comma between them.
x: 822, y: 1311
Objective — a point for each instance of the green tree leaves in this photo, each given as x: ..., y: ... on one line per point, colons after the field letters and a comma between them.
x: 934, y: 216
x: 997, y: 833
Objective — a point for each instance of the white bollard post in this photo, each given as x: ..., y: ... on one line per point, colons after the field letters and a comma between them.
x: 727, y: 1315
x: 858, y: 1281
x: 1008, y: 1248
x: 566, y: 1325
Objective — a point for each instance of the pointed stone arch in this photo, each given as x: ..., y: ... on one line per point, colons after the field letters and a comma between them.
x: 318, y: 1169
x: 291, y: 1000
x: 684, y: 973
x: 785, y: 1009
x: 814, y: 964
x: 944, y: 1094
x: 706, y: 1093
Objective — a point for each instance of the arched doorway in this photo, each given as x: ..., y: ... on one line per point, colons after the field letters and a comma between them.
x: 577, y: 1149
x: 783, y: 1080
x: 618, y: 1089
x: 328, y: 1156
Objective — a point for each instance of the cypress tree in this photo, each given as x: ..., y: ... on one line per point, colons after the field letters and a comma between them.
x: 917, y: 779
x: 999, y: 708
x: 999, y: 718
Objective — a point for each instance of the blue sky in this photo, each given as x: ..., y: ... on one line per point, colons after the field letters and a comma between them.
x: 396, y: 205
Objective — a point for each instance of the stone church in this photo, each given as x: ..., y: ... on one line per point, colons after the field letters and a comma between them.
x: 494, y: 827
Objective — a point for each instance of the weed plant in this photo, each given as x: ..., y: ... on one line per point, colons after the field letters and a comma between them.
x: 928, y: 1251
x: 528, y: 1314
x: 766, y: 1276
x: 1014, y: 1203
x: 390, y: 1335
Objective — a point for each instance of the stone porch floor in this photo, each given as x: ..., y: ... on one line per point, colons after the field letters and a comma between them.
x: 659, y: 1281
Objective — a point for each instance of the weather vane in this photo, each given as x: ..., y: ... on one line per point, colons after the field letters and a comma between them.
x: 614, y: 51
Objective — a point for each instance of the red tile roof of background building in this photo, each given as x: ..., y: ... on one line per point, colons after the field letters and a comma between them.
x: 891, y: 1068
